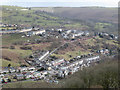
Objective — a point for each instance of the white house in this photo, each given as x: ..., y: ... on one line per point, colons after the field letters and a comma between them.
x: 22, y: 69
x: 57, y: 62
x: 12, y: 70
x: 93, y: 58
x: 37, y: 74
x: 24, y: 9
x: 43, y: 56
x: 29, y: 75
x: 59, y: 30
x: 68, y: 31
x: 35, y: 32
x: 31, y: 68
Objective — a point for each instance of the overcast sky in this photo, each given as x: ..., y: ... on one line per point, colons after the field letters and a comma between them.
x: 62, y: 3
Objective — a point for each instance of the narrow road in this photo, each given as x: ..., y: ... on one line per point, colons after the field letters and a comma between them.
x: 53, y: 51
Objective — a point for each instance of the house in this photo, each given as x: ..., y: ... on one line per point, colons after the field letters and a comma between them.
x: 6, y: 70
x: 44, y: 55
x: 111, y: 36
x: 64, y: 35
x: 2, y: 75
x: 64, y: 68
x: 61, y: 74
x: 78, y: 56
x: 68, y: 31
x: 20, y: 76
x: 41, y: 74
x: 29, y: 75
x: 79, y: 62
x: 57, y: 62
x: 25, y: 30
x: 93, y: 58
x: 24, y: 9
x: 31, y: 68
x: 44, y: 72
x: 49, y: 68
x: 86, y: 33
x: 106, y: 51
x: 116, y: 37
x: 66, y: 72
x: 60, y: 30
x: 22, y: 69
x: 12, y: 70
x: 80, y: 33
x: 103, y: 51
x: 35, y: 32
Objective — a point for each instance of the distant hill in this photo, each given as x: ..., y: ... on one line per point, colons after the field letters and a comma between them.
x: 21, y: 15
x: 85, y: 13
x: 40, y: 18
x: 96, y: 18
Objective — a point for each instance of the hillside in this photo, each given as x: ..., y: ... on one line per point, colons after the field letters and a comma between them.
x: 97, y: 18
x: 89, y: 18
x: 65, y: 47
x: 104, y: 75
x: 85, y: 13
x: 21, y: 15
x: 18, y: 15
x: 51, y: 18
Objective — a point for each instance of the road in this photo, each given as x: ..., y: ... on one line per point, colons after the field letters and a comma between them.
x: 53, y: 51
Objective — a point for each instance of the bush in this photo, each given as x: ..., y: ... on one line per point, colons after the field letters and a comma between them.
x: 12, y: 47
x: 26, y: 48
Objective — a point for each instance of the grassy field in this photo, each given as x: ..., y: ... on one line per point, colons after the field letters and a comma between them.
x: 12, y: 38
x: 31, y: 84
x: 76, y: 26
x: 15, y: 55
x: 22, y: 53
x: 90, y: 42
x: 16, y: 16
x: 71, y: 54
x: 112, y: 42
x: 9, y: 39
x: 4, y: 63
x: 41, y: 46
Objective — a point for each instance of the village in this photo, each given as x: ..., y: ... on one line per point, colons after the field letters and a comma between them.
x: 42, y: 66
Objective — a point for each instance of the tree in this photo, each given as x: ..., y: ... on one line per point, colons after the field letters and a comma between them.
x: 9, y: 65
x: 9, y: 80
x: 41, y: 69
x: 12, y: 47
x: 26, y: 48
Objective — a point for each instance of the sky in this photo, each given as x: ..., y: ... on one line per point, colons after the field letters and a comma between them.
x: 61, y: 3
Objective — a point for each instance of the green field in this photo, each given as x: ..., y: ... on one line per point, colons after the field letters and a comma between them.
x: 17, y: 16
x: 9, y: 39
x: 4, y: 63
x: 71, y: 54
x: 29, y: 84
x: 22, y: 53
